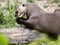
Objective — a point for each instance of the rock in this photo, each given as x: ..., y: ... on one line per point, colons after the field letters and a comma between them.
x: 20, y: 34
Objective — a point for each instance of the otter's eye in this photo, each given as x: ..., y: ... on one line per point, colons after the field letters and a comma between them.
x: 23, y: 5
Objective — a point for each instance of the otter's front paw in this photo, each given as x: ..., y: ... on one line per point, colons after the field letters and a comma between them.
x: 19, y: 20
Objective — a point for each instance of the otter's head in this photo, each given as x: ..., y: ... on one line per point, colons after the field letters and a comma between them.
x: 20, y: 11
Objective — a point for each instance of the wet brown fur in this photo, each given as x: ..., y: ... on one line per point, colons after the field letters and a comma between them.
x: 40, y: 20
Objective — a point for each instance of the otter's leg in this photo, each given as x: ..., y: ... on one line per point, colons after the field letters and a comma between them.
x: 25, y: 22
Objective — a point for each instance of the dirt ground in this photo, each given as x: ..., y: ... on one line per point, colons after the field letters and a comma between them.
x: 46, y: 5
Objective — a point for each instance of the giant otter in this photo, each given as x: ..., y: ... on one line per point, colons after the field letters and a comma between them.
x: 38, y: 19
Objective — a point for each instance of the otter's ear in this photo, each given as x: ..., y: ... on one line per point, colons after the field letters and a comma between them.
x: 23, y: 5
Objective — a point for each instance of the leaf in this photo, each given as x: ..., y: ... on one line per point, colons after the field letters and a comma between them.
x: 3, y: 40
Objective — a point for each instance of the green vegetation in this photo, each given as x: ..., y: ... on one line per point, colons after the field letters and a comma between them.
x: 7, y: 18
x: 30, y: 0
x: 45, y: 40
x: 56, y: 1
x: 3, y: 40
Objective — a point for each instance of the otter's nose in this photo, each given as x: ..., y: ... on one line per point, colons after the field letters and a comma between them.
x: 16, y: 13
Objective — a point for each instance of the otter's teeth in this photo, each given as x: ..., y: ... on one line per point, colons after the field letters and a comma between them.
x: 21, y: 15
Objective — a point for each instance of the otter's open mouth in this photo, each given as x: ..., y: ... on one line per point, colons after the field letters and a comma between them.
x: 21, y: 15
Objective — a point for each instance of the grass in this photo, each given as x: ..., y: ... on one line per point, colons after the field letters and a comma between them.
x: 7, y: 18
x: 45, y: 40
x: 30, y: 1
x: 3, y: 40
x: 56, y: 1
